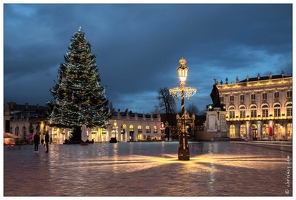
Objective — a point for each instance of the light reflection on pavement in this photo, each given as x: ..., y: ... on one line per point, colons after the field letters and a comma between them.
x: 149, y: 169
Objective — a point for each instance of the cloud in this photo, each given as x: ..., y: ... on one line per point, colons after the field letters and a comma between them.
x: 138, y: 46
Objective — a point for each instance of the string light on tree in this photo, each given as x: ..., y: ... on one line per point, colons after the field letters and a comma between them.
x: 77, y: 93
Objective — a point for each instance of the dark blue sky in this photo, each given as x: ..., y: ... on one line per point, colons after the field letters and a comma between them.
x: 138, y: 47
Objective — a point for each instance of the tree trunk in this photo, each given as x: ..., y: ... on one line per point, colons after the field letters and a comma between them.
x: 76, y: 134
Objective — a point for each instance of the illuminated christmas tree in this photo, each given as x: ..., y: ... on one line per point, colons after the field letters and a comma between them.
x: 78, y: 96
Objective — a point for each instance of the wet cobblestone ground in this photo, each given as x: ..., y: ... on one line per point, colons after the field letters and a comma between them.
x: 150, y: 169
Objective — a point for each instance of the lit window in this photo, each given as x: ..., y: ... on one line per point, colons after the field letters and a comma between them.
x: 242, y: 112
x: 277, y: 110
x: 253, y: 97
x: 242, y: 98
x: 289, y: 94
x: 276, y: 95
x: 131, y: 127
x: 231, y: 112
x: 265, y: 111
x: 139, y: 129
x: 289, y: 109
x: 148, y: 130
x: 231, y: 99
x: 232, y: 131
x: 155, y: 129
x: 264, y: 96
x: 253, y: 111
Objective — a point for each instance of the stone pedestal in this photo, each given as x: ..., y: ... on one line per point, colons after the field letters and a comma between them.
x: 216, y: 128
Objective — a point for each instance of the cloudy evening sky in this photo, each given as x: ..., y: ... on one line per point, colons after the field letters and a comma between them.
x: 138, y: 47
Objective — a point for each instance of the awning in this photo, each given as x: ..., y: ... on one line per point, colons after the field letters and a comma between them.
x: 29, y: 136
x: 10, y: 135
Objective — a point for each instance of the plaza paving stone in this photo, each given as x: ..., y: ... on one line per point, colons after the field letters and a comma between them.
x: 149, y: 169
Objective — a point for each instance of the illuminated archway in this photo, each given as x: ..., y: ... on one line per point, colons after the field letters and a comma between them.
x: 232, y: 131
x: 243, y: 131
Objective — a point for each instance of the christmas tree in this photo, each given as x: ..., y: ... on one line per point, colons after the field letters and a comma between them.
x: 78, y: 97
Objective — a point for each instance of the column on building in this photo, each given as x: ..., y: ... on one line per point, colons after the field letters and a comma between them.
x: 237, y: 131
x: 127, y: 133
x: 248, y: 127
x: 259, y: 130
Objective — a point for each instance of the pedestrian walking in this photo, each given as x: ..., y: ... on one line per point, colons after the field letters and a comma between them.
x: 36, y: 142
x: 46, y: 141
x: 42, y: 141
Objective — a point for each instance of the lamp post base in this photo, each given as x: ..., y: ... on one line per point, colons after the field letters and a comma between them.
x: 183, y: 148
x: 183, y: 154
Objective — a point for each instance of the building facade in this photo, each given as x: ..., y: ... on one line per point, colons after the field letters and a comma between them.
x: 258, y: 108
x: 26, y: 120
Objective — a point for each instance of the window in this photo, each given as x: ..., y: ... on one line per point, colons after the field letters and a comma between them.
x: 231, y: 112
x: 242, y: 112
x: 17, y: 130
x: 253, y: 97
x: 289, y: 94
x: 265, y: 131
x: 242, y: 98
x: 131, y: 128
x: 221, y: 99
x: 276, y: 96
x: 232, y: 131
x: 148, y: 130
x: 155, y: 129
x: 265, y: 111
x: 139, y: 129
x: 231, y: 99
x: 243, y: 131
x: 289, y: 130
x: 264, y: 96
x: 289, y: 109
x: 277, y: 110
x: 253, y: 111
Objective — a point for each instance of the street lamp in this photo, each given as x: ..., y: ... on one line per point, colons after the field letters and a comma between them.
x: 182, y: 92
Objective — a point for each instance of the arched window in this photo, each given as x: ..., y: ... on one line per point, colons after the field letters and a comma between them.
x: 155, y: 129
x: 148, y: 130
x: 264, y: 111
x: 277, y: 110
x: 231, y: 112
x: 253, y: 111
x: 131, y: 127
x: 140, y: 129
x: 289, y: 109
x: 242, y: 111
x: 243, y: 130
x: 31, y: 129
x: 17, y: 130
x: 24, y: 131
x: 265, y: 131
x: 232, y: 131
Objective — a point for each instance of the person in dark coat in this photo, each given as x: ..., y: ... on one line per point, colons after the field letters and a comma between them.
x: 46, y: 141
x: 36, y: 142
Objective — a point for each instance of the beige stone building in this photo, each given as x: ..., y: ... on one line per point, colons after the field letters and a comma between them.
x: 258, y: 108
x: 25, y: 120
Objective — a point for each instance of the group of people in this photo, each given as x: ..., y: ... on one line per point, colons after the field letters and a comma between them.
x: 43, y: 142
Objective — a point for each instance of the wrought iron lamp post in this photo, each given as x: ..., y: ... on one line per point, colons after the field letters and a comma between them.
x: 182, y: 92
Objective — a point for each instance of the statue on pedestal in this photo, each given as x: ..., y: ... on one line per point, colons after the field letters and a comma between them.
x: 215, y: 96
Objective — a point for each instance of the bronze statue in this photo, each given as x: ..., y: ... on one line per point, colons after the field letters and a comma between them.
x: 215, y: 96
